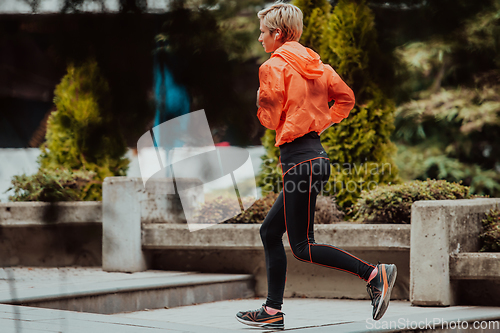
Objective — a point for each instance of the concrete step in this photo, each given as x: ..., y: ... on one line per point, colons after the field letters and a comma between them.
x: 107, y: 293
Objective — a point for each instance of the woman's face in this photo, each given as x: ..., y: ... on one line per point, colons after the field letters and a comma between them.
x: 267, y: 39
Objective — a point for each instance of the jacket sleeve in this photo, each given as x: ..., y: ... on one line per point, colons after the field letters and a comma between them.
x: 343, y: 96
x: 271, y: 96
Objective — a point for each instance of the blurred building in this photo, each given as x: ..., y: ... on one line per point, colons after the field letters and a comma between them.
x: 35, y: 50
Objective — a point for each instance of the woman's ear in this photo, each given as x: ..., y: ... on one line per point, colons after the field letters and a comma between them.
x: 278, y: 34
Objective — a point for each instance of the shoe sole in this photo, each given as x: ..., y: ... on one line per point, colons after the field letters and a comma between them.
x: 257, y: 324
x: 391, y: 273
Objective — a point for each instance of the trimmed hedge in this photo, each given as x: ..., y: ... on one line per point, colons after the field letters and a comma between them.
x: 392, y: 203
x: 490, y: 237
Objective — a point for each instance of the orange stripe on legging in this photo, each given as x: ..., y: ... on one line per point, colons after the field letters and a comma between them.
x: 309, y: 212
x: 336, y: 248
x: 284, y: 209
x: 340, y: 269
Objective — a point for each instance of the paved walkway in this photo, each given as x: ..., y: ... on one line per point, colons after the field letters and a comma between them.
x: 301, y: 315
x: 319, y: 315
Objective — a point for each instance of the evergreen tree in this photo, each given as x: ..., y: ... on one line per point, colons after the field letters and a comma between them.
x: 359, y: 147
x: 81, y: 133
x: 316, y: 14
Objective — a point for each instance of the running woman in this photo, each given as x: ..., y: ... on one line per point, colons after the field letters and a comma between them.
x: 295, y: 88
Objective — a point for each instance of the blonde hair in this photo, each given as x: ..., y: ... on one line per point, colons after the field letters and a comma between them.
x: 284, y: 16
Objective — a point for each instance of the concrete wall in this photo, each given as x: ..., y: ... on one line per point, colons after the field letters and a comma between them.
x: 64, y: 234
x: 443, y: 232
x: 48, y: 235
x: 128, y: 205
x: 238, y: 249
x: 303, y: 279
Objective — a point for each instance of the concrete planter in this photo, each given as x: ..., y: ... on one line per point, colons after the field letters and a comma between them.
x: 134, y: 229
x: 234, y: 248
x: 50, y: 234
x: 446, y: 268
x: 70, y: 233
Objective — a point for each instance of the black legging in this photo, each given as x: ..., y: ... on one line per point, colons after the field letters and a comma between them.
x: 305, y: 171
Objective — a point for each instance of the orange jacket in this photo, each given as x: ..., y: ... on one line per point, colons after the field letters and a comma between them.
x: 295, y: 88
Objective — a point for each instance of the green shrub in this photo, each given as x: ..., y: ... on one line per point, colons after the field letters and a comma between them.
x: 490, y: 237
x: 82, y: 133
x: 452, y: 135
x: 52, y: 185
x: 392, y: 203
x: 212, y: 212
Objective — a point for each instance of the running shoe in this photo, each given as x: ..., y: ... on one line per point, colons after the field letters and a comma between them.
x: 380, y: 287
x: 260, y: 318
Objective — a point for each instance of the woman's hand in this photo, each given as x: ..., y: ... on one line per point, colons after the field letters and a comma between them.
x: 257, y: 102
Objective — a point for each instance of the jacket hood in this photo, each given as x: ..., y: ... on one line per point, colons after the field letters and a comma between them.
x: 304, y: 60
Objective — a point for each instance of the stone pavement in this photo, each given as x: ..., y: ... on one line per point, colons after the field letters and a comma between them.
x: 301, y: 314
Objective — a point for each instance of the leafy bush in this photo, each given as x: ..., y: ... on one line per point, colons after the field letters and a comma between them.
x: 490, y: 237
x: 52, y: 185
x: 82, y: 133
x: 392, y: 203
x: 429, y: 160
x: 452, y: 135
x: 212, y: 212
